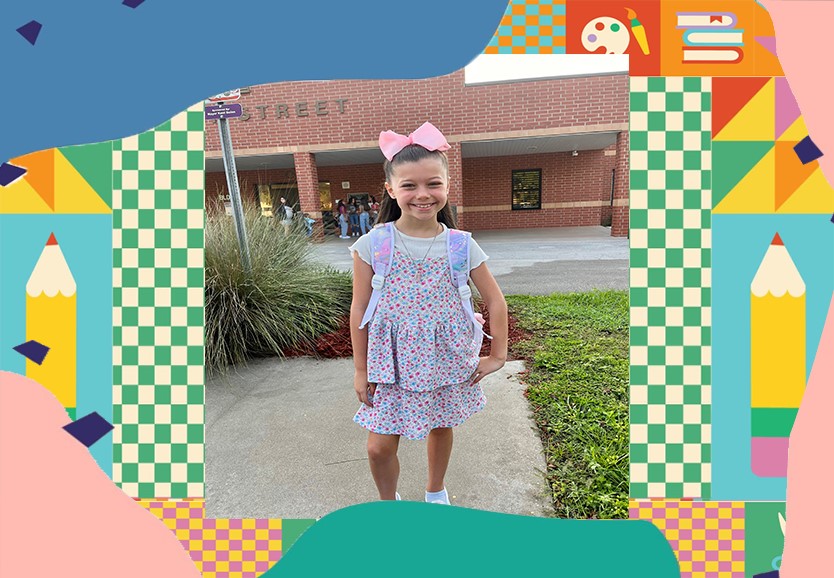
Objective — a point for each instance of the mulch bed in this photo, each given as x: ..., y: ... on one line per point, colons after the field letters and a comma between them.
x: 336, y: 344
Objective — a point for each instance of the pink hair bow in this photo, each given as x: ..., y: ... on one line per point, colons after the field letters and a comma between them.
x: 427, y: 136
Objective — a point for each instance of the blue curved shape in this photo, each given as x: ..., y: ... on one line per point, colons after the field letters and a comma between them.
x: 102, y: 70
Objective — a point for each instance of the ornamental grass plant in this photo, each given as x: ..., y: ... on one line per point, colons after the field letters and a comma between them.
x: 287, y: 301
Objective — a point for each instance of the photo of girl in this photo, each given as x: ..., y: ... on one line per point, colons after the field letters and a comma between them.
x: 417, y: 369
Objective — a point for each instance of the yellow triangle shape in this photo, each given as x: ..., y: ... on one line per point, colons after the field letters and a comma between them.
x: 815, y: 195
x: 22, y: 199
x: 73, y: 194
x: 755, y: 121
x: 755, y: 192
x: 796, y: 132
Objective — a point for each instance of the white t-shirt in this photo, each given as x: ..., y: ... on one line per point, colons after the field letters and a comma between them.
x: 418, y: 246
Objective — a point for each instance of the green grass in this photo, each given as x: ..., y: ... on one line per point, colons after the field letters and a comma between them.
x: 287, y: 301
x: 578, y: 387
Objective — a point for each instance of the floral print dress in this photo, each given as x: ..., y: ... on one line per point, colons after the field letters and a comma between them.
x: 421, y: 353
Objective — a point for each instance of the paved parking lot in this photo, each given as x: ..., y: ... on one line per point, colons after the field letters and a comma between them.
x: 535, y: 261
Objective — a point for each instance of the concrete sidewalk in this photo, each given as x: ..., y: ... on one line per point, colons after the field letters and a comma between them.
x: 534, y: 261
x: 281, y: 443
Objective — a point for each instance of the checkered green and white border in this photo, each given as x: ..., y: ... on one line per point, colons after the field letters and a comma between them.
x: 158, y: 211
x: 670, y: 207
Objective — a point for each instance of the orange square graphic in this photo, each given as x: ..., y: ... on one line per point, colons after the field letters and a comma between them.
x: 717, y: 38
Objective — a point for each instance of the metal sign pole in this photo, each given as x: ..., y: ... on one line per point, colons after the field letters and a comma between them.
x: 234, y: 192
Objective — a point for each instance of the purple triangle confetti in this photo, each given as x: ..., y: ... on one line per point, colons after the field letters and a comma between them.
x: 89, y: 429
x: 132, y: 3
x: 10, y: 173
x: 30, y: 31
x: 807, y: 151
x: 33, y: 351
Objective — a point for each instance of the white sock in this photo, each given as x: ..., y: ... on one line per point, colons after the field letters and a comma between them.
x: 397, y: 494
x: 442, y: 496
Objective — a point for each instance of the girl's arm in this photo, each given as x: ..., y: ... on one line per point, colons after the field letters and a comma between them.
x: 497, y: 307
x: 362, y: 275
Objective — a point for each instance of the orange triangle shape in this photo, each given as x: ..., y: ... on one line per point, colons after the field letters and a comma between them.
x: 730, y: 95
x: 40, y: 173
x: 790, y: 172
x: 814, y: 196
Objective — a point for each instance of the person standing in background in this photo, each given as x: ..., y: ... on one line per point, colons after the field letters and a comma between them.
x: 343, y: 222
x: 374, y: 207
x: 364, y: 221
x: 353, y: 215
x: 284, y: 213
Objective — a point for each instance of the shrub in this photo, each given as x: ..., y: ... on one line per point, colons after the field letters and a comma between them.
x: 288, y: 301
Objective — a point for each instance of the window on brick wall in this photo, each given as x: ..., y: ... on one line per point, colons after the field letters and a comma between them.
x: 527, y: 189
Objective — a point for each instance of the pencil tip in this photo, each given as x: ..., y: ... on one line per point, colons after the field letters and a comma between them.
x: 777, y: 240
x: 52, y: 240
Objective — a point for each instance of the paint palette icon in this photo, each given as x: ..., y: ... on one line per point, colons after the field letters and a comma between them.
x: 606, y: 35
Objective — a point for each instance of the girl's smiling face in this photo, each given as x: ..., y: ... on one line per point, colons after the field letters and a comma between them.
x: 420, y: 188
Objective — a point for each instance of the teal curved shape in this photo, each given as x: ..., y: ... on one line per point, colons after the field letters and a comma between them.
x: 426, y: 540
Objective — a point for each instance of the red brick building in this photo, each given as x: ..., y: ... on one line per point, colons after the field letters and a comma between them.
x: 533, y: 153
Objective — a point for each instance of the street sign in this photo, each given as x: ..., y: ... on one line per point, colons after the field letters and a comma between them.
x: 216, y: 111
x: 227, y: 96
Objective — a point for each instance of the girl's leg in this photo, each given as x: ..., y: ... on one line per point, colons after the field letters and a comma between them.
x: 439, y: 451
x: 385, y: 466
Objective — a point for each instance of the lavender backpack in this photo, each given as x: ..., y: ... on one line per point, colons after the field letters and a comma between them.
x: 457, y: 248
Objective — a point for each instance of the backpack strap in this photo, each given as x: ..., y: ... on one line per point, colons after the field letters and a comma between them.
x: 458, y: 251
x: 382, y: 255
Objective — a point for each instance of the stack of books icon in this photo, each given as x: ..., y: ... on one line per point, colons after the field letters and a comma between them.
x: 710, y: 38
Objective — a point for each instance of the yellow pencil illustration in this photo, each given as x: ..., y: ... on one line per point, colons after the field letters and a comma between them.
x: 777, y: 357
x: 51, y: 320
x: 639, y: 31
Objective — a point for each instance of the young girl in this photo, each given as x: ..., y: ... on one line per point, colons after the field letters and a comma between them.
x: 417, y: 364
